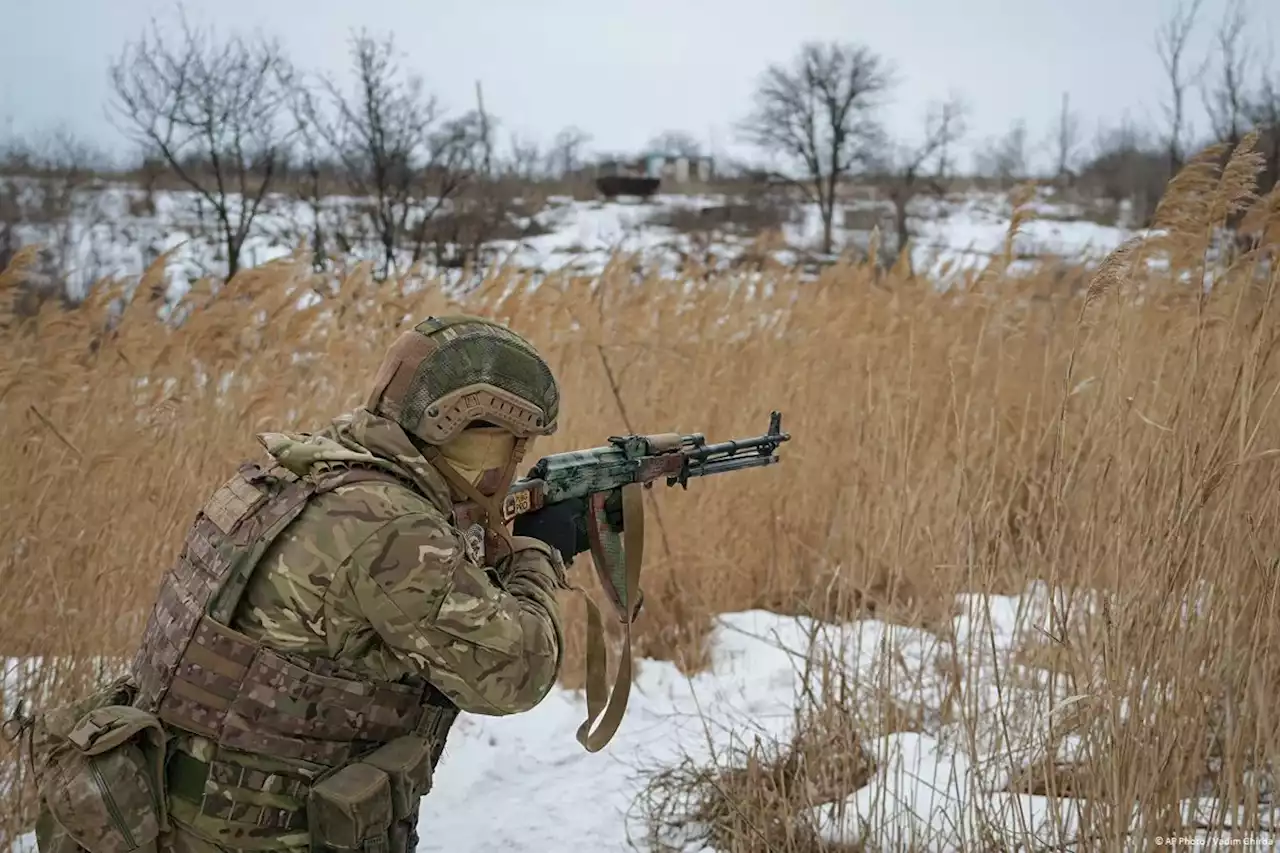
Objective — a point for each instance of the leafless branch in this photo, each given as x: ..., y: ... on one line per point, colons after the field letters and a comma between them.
x: 924, y: 166
x: 565, y: 157
x: 1171, y: 46
x: 394, y: 145
x: 1127, y: 163
x: 1005, y: 157
x: 214, y: 111
x: 676, y: 143
x: 820, y: 115
x: 1225, y: 98
x: 1066, y: 140
x: 1263, y: 113
x: 526, y: 160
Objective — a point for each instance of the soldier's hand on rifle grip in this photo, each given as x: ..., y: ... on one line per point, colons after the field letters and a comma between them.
x: 613, y: 509
x: 562, y: 525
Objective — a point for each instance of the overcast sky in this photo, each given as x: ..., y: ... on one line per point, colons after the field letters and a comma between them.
x: 625, y: 70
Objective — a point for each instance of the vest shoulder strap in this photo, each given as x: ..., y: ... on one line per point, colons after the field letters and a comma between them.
x: 257, y: 506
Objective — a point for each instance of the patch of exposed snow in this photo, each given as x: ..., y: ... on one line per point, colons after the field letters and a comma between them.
x: 118, y: 230
x: 523, y: 782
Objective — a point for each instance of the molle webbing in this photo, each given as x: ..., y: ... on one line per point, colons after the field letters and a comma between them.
x: 188, y: 775
x: 224, y: 789
x: 199, y: 675
x: 254, y: 699
x: 188, y: 779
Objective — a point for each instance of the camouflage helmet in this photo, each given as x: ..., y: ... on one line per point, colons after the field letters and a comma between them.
x: 449, y: 371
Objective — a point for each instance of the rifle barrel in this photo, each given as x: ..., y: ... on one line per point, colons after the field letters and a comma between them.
x: 703, y: 469
x: 732, y: 448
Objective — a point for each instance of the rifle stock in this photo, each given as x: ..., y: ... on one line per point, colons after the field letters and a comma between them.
x: 525, y: 495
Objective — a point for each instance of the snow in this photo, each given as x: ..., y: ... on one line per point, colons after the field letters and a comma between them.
x: 965, y: 234
x: 524, y: 783
x: 119, y: 230
x: 585, y: 236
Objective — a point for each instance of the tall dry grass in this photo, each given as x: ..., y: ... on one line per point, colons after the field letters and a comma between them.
x: 1118, y: 435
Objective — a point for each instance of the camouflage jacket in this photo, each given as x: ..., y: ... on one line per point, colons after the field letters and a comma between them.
x: 373, y: 576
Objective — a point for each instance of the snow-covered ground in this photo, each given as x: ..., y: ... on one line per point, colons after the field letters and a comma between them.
x: 524, y: 783
x: 118, y: 231
x: 965, y: 233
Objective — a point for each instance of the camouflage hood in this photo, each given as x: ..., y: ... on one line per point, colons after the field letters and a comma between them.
x: 363, y: 438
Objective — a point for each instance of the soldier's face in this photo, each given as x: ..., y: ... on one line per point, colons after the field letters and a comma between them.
x: 480, y: 455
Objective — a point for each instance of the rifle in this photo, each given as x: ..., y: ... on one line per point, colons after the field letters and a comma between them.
x: 640, y: 459
x: 603, y: 475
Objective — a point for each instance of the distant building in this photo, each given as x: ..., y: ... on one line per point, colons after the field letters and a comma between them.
x: 668, y: 168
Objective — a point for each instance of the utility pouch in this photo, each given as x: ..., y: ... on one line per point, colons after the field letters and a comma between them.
x: 351, y: 809
x: 407, y: 763
x: 100, y: 780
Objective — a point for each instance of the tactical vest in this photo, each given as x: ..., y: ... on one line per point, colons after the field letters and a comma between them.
x: 199, y: 676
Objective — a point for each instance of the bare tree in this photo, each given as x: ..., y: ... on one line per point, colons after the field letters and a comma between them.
x: 482, y: 202
x: 821, y: 115
x: 526, y: 160
x: 395, y: 145
x: 215, y: 112
x: 1171, y: 47
x: 1128, y: 164
x: 1225, y: 100
x: 566, y: 153
x: 1005, y: 157
x: 1066, y: 140
x: 676, y: 143
x: 59, y: 208
x: 925, y: 165
x: 484, y: 135
x: 1263, y: 112
x: 313, y: 162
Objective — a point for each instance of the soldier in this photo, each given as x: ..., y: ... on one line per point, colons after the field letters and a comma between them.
x: 326, y: 621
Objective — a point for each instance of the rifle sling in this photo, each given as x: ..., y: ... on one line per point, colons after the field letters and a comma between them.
x: 609, y: 714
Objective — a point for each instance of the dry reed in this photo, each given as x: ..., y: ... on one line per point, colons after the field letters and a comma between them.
x: 1119, y: 438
